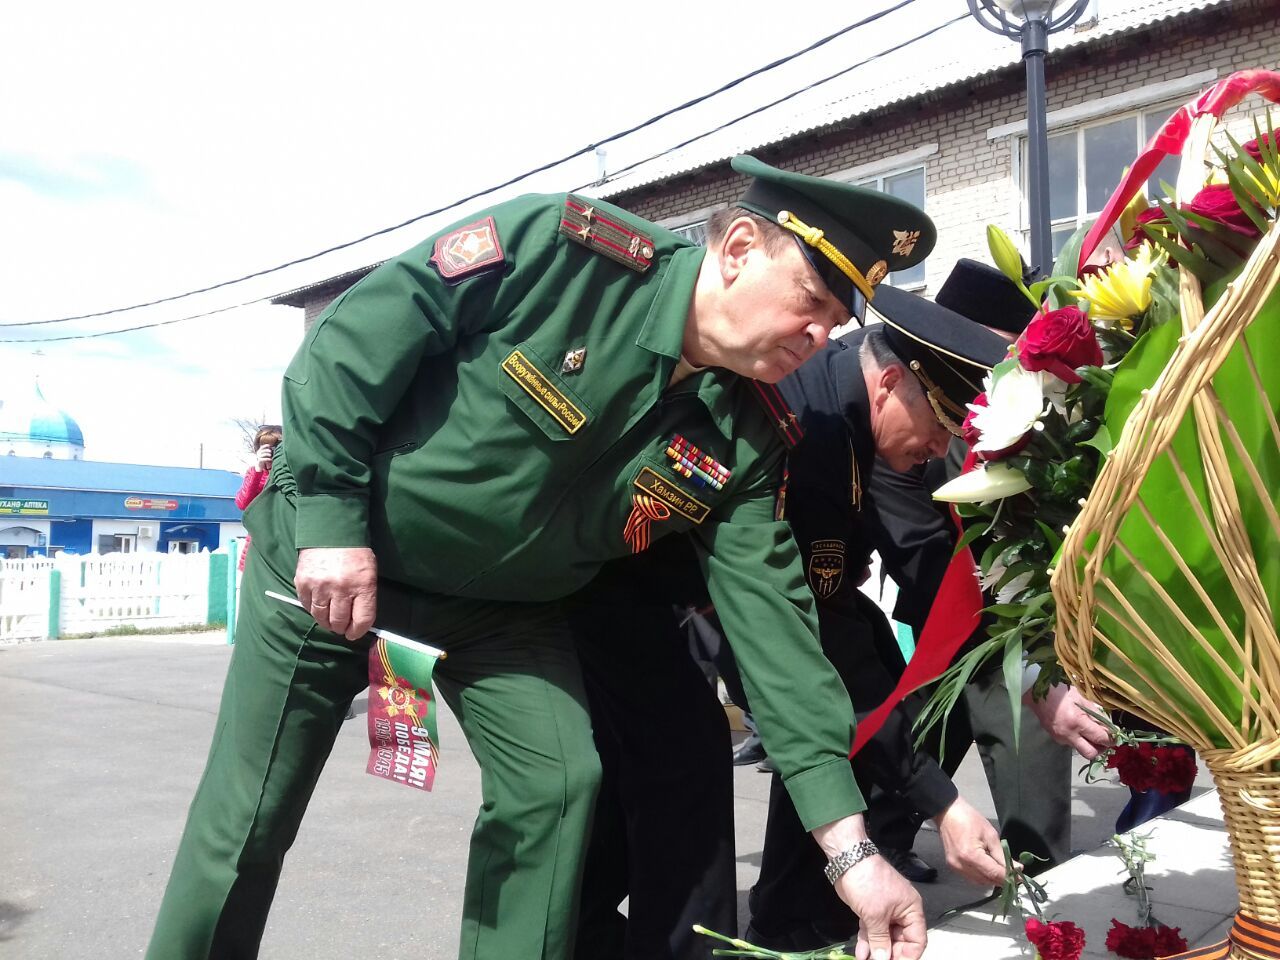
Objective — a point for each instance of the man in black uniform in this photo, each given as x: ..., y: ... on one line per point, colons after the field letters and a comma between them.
x: 915, y: 537
x: 889, y: 389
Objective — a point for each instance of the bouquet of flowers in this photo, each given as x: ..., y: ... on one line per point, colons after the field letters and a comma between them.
x: 1129, y: 453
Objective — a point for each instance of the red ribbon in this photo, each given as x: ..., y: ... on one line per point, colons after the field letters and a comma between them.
x: 952, y: 619
x: 1169, y: 140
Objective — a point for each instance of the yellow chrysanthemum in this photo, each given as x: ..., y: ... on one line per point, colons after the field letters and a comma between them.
x: 1123, y: 290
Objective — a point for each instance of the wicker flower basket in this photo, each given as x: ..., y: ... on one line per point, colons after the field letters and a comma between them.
x: 1168, y: 584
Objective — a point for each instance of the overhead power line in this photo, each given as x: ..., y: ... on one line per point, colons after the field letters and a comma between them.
x: 817, y: 83
x: 589, y: 148
x: 795, y: 93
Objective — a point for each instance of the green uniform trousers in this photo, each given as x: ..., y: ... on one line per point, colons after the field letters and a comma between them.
x: 513, y: 681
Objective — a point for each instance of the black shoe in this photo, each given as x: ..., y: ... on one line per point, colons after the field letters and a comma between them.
x: 767, y: 765
x: 751, y: 750
x: 910, y: 865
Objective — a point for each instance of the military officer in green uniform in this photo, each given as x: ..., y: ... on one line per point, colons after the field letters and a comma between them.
x: 472, y: 430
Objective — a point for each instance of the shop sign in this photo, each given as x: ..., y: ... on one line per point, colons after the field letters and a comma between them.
x: 150, y: 503
x: 25, y: 507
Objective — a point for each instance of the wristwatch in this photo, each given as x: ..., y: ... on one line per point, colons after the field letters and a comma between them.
x: 838, y: 865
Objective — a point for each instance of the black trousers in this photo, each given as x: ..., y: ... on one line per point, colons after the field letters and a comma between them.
x: 663, y: 829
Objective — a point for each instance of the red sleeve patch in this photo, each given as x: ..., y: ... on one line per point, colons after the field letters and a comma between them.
x: 468, y: 250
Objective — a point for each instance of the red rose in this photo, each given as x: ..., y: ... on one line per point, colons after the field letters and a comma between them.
x: 1152, y: 215
x: 1252, y: 148
x: 1060, y: 940
x: 1174, y: 771
x: 971, y: 433
x: 1134, y: 766
x: 1059, y: 341
x: 1216, y: 202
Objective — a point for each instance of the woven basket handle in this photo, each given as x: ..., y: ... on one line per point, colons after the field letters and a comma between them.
x: 1170, y: 139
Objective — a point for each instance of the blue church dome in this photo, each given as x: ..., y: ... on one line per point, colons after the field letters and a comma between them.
x: 32, y: 422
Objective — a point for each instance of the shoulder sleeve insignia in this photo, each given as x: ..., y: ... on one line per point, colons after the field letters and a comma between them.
x: 826, y: 567
x: 468, y: 250
x: 605, y: 235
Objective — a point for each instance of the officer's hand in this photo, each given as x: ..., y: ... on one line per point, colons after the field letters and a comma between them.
x: 890, y: 911
x: 339, y: 587
x: 1062, y: 714
x: 971, y: 844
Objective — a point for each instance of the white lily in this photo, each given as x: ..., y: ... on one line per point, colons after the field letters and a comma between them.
x: 994, y: 481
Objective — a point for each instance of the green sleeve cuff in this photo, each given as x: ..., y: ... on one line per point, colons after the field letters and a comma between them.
x: 825, y: 793
x: 332, y: 520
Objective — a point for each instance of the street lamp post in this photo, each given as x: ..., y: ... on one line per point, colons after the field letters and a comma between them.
x: 1031, y: 22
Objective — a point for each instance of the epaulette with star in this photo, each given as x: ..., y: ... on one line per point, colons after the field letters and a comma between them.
x: 780, y: 415
x: 605, y: 234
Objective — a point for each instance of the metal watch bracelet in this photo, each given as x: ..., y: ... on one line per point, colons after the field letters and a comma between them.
x: 838, y: 865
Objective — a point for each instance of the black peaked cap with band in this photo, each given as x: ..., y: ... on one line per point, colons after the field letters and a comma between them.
x: 986, y: 296
x: 948, y: 353
x: 853, y: 236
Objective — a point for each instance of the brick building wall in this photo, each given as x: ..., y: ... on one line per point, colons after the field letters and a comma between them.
x: 972, y: 180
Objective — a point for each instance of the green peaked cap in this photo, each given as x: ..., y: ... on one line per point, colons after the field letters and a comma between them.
x: 854, y: 236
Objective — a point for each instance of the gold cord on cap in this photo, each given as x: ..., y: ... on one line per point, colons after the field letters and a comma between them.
x: 937, y: 400
x: 814, y: 237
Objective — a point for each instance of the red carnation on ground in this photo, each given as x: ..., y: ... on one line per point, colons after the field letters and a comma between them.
x: 1216, y: 202
x: 1175, y: 770
x: 1133, y: 765
x: 972, y: 434
x: 1144, y: 943
x: 1059, y: 341
x: 1060, y: 940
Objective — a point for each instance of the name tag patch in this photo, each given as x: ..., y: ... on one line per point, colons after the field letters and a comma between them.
x: 535, y: 383
x: 658, y: 487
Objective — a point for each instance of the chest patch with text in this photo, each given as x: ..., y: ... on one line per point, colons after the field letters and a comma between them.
x: 545, y: 393
x: 660, y: 488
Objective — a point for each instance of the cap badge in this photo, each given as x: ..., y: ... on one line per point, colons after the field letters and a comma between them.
x: 878, y: 271
x: 574, y: 360
x: 904, y: 241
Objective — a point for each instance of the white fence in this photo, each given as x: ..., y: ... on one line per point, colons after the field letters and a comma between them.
x: 24, y: 598
x: 96, y: 593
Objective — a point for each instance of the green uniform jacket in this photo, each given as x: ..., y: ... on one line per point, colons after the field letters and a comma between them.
x: 431, y: 421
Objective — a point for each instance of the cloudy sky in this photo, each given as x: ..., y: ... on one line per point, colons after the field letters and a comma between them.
x: 154, y: 148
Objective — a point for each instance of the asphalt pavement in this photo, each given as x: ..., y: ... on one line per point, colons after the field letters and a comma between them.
x: 102, y: 742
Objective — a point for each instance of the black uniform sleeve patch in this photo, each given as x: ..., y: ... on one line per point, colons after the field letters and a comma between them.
x: 826, y: 567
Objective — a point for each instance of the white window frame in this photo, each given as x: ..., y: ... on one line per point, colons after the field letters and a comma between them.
x: 1095, y: 112
x: 684, y: 221
x: 877, y: 171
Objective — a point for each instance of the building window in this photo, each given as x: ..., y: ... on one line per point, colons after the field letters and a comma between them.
x: 906, y: 185
x: 1086, y: 163
x: 695, y: 231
